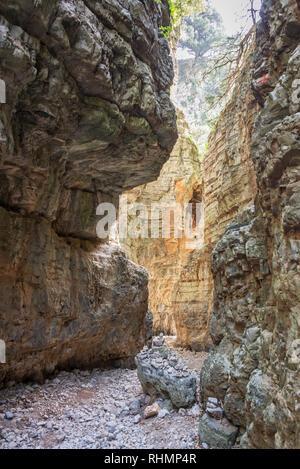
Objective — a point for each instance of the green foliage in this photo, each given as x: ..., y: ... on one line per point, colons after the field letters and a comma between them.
x: 166, y: 31
x: 209, y: 65
x: 201, y: 32
x: 204, y: 150
x: 182, y: 8
x: 212, y: 123
x: 196, y: 94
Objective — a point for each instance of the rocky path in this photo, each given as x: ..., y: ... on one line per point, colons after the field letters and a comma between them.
x: 98, y: 409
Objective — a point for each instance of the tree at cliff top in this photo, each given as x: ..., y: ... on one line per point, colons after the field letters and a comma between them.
x: 202, y: 34
x: 209, y: 64
x: 182, y: 8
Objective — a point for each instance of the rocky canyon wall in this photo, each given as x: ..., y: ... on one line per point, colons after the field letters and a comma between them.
x: 229, y: 181
x: 255, y: 366
x: 224, y: 182
x: 166, y: 257
x: 87, y: 116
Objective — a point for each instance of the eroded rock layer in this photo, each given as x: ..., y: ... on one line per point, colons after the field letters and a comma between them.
x: 87, y: 116
x: 173, y: 262
x: 229, y: 181
x: 255, y: 367
x: 181, y: 282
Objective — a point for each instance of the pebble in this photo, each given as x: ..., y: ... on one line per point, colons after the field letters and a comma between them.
x: 194, y: 411
x: 213, y: 400
x: 151, y: 411
x: 85, y: 410
x: 162, y: 413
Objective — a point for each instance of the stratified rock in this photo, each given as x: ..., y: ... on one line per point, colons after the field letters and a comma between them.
x: 173, y: 289
x: 212, y: 400
x: 88, y: 115
x: 158, y: 376
x: 181, y: 283
x: 214, y: 376
x: 159, y: 346
x: 255, y: 324
x: 215, y: 412
x: 159, y: 341
x: 217, y: 434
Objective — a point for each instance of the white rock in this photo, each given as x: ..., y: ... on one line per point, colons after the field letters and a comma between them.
x: 162, y: 413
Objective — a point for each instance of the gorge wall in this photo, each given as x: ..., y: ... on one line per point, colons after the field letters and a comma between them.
x: 87, y: 116
x: 172, y: 266
x: 181, y: 285
x: 229, y: 181
x: 255, y: 366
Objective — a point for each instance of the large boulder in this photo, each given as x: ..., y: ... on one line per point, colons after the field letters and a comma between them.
x: 166, y: 377
x: 217, y: 434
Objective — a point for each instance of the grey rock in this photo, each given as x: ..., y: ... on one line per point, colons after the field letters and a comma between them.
x: 164, y: 404
x: 194, y: 411
x: 137, y: 419
x: 162, y: 413
x: 159, y: 341
x: 213, y: 400
x: 216, y: 434
x: 165, y: 381
x: 98, y: 76
x: 149, y: 328
x: 215, y: 412
x: 215, y: 373
x: 161, y: 350
x: 134, y: 407
x: 256, y: 313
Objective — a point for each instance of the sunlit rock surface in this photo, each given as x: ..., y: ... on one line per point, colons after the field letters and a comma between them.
x: 224, y: 182
x: 174, y: 263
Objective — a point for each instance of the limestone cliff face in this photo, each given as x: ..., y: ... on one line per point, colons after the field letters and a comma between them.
x: 255, y: 367
x: 229, y: 181
x: 228, y: 170
x: 181, y: 281
x: 87, y: 116
x: 228, y: 184
x: 172, y: 284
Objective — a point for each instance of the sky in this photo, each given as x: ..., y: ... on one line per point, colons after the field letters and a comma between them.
x: 234, y: 13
